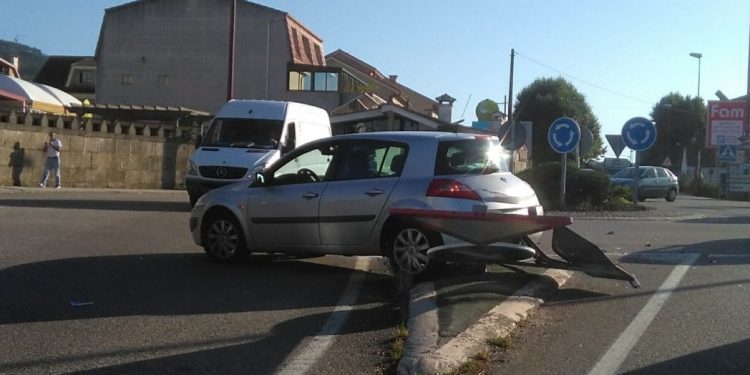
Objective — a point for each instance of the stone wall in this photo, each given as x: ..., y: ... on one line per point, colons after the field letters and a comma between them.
x: 96, y: 153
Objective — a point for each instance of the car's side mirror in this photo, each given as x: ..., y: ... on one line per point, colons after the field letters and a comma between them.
x: 259, y: 179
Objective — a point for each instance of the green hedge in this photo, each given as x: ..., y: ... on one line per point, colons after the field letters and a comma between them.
x: 585, y: 189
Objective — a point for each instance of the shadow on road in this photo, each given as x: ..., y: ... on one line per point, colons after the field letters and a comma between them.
x: 95, y: 204
x: 712, y: 253
x: 725, y: 359
x: 165, y: 284
x: 719, y: 252
x: 188, y: 284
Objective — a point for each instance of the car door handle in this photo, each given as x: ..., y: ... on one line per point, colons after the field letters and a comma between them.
x: 374, y: 192
x: 310, y: 195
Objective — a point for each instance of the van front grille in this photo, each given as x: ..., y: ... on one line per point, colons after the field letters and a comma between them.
x: 221, y: 172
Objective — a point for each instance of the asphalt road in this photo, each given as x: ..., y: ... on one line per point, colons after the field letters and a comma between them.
x: 689, y: 316
x: 111, y: 282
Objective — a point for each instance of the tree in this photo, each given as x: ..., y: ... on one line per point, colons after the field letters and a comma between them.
x: 680, y: 123
x: 545, y: 100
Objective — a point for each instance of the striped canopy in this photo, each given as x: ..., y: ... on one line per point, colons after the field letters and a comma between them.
x: 35, y: 96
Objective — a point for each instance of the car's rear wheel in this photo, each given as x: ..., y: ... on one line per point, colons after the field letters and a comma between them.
x: 671, y: 195
x: 224, y: 239
x: 408, y: 247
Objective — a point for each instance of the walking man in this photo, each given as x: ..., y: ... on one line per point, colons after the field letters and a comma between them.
x: 52, y: 148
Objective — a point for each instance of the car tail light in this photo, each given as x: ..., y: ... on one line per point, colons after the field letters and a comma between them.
x: 448, y: 188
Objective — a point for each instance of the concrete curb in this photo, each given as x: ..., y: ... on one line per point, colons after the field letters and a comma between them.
x: 421, y: 356
x: 38, y: 190
x: 644, y: 218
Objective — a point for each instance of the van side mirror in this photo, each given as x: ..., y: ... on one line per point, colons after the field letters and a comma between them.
x: 289, y: 141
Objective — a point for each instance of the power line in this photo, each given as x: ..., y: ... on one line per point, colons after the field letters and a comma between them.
x: 584, y: 81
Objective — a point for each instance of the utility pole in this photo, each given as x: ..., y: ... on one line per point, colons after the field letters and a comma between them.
x: 510, y: 111
x: 230, y: 68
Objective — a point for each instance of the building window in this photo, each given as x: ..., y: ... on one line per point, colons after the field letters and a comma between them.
x: 86, y: 76
x: 326, y: 81
x: 300, y: 81
x: 319, y: 55
x: 318, y: 78
x: 163, y: 80
x: 127, y: 79
x: 308, y: 52
x: 350, y: 84
x: 295, y: 39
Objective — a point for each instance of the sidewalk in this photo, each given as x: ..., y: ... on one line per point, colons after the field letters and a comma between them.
x: 36, y: 189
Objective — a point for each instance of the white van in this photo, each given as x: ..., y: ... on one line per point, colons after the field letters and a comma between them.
x: 247, y: 135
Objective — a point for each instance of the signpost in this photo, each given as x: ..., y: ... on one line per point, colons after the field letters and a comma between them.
x: 584, y: 145
x: 563, y: 135
x: 728, y: 153
x: 726, y: 123
x: 639, y: 134
x: 615, y: 141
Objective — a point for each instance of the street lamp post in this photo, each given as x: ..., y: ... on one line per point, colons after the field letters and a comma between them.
x: 696, y: 183
x: 698, y: 56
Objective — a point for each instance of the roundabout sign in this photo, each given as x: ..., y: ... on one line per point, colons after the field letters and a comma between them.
x: 564, y: 135
x: 639, y: 134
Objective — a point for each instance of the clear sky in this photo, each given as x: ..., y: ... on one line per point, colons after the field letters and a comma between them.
x: 623, y: 56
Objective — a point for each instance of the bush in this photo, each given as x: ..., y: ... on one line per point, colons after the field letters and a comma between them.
x: 708, y: 190
x: 585, y: 189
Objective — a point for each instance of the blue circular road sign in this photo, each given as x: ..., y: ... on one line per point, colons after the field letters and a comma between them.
x: 564, y: 134
x: 639, y: 134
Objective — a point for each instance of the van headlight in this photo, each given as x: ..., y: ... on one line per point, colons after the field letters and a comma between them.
x: 192, y: 169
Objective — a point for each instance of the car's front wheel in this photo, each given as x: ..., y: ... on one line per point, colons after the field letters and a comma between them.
x: 408, y: 247
x: 224, y: 239
x: 671, y: 195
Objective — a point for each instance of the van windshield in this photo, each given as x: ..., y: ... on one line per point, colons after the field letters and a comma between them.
x: 244, y: 133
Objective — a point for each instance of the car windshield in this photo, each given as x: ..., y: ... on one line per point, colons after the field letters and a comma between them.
x: 471, y: 156
x: 244, y: 133
x: 629, y: 173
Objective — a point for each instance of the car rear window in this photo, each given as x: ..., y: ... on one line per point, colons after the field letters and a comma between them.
x: 471, y: 156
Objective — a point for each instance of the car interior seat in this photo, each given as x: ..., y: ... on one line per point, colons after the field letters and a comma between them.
x: 357, y: 165
x: 397, y: 163
x: 457, y: 159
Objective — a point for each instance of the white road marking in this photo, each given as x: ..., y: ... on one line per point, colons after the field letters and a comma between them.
x: 618, y: 352
x: 309, y: 354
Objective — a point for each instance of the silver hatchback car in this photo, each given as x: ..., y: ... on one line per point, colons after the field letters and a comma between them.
x: 653, y: 182
x: 334, y: 196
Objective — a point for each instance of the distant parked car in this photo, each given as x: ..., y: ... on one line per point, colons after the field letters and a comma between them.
x: 654, y: 182
x: 334, y: 195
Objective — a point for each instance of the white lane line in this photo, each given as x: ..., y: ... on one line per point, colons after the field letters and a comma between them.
x: 309, y: 354
x: 613, y: 358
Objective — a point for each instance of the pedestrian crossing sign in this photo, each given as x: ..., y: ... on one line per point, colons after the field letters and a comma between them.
x: 728, y: 153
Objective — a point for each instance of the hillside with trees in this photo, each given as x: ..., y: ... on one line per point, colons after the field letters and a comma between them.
x: 30, y: 59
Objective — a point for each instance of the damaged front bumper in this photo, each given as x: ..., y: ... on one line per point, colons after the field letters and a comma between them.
x: 487, y: 239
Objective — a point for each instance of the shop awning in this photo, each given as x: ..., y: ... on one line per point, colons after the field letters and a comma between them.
x: 35, y: 96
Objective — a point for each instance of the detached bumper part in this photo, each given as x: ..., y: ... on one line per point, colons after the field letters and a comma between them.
x: 491, y: 238
x: 582, y: 255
